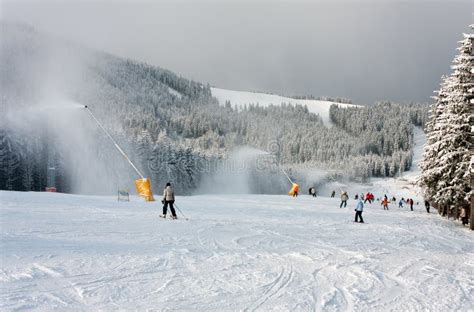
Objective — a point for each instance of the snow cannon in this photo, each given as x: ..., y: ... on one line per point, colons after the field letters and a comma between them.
x: 294, y: 190
x: 143, y: 187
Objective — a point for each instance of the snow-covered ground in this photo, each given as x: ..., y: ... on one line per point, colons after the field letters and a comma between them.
x: 236, y: 252
x: 241, y: 98
x: 253, y: 252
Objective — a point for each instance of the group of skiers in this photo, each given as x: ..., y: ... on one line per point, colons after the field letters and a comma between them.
x: 168, y: 200
x: 360, y: 204
x: 369, y: 197
x: 408, y: 201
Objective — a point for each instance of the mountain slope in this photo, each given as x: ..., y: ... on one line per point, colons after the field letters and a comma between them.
x: 242, y: 98
x: 171, y: 127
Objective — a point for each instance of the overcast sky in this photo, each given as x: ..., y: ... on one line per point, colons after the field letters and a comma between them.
x: 363, y: 50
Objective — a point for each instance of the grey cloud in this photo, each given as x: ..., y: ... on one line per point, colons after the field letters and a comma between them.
x: 364, y: 50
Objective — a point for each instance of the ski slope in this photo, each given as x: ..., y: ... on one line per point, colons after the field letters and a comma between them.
x: 401, y: 187
x: 236, y: 253
x: 241, y: 98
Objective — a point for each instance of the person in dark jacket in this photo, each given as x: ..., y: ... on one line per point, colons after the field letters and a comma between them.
x: 427, y: 206
x: 168, y: 199
x: 410, y: 202
x: 464, y: 217
x: 359, y: 209
x: 333, y: 194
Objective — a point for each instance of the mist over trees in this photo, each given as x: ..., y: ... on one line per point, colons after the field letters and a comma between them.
x: 171, y: 127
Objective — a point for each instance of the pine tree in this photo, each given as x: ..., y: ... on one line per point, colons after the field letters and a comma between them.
x: 435, y: 127
x: 446, y: 165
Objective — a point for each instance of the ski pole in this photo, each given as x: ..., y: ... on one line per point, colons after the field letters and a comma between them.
x: 181, y: 212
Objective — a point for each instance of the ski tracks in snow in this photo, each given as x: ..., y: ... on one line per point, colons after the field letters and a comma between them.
x: 239, y: 253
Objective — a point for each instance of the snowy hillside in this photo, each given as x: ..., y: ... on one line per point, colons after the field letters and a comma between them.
x: 163, y: 120
x: 253, y: 253
x: 241, y: 98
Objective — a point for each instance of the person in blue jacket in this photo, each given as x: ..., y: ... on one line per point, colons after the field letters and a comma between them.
x: 358, y: 210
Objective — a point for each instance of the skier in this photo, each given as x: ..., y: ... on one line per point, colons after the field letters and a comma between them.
x: 344, y: 198
x: 356, y: 197
x: 358, y: 210
x: 313, y: 192
x: 385, y: 203
x: 333, y: 194
x: 427, y: 206
x: 410, y: 201
x: 393, y: 199
x: 400, y: 203
x: 371, y: 198
x: 463, y: 216
x: 367, y: 197
x: 168, y: 199
x: 310, y: 191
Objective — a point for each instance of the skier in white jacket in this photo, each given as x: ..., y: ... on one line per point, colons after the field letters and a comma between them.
x: 168, y: 199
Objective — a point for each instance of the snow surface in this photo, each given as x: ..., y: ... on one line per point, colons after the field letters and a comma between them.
x: 241, y: 98
x: 237, y: 252
x: 251, y: 252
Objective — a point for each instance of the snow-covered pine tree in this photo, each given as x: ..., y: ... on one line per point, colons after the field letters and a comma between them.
x: 430, y: 165
x: 456, y: 163
x: 446, y: 164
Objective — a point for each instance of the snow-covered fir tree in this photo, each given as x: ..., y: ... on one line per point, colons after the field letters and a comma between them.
x: 446, y: 168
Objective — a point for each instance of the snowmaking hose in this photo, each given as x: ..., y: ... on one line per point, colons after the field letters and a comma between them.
x: 115, y: 143
x: 286, y: 175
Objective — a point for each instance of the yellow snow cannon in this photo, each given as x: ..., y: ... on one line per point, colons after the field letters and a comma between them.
x: 143, y: 187
x: 294, y: 190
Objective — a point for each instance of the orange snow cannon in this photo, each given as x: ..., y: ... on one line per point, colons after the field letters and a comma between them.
x: 294, y: 190
x: 143, y: 187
